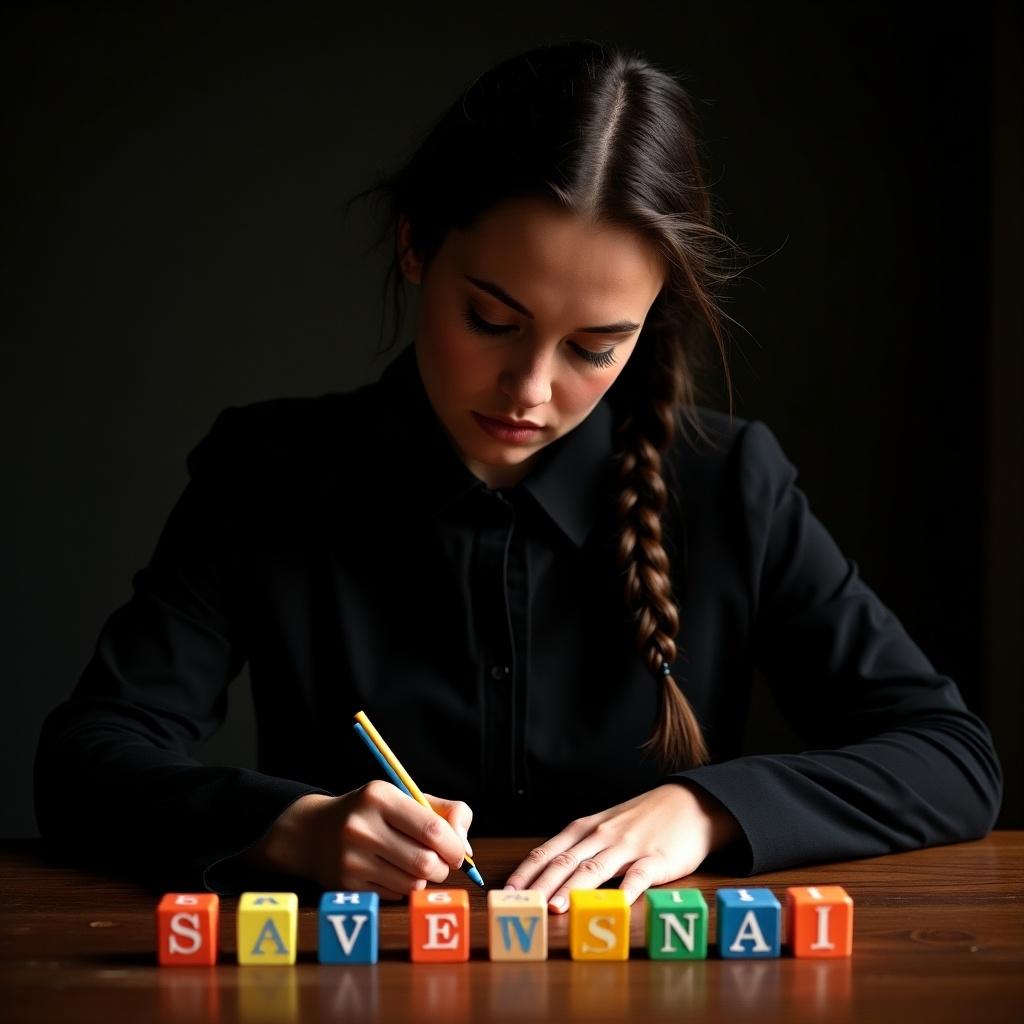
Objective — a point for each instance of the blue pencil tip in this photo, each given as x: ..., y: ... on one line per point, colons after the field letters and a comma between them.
x: 475, y: 875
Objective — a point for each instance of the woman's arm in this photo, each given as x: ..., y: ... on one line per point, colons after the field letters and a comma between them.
x: 894, y: 759
x: 115, y: 781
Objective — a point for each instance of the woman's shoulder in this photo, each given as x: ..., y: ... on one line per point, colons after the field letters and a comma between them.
x: 285, y: 432
x: 716, y: 449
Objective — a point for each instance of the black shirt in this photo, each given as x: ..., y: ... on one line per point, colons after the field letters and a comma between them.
x: 339, y: 546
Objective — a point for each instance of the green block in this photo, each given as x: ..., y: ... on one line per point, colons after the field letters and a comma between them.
x: 677, y: 924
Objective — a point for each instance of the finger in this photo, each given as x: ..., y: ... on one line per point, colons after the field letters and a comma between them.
x: 412, y: 859
x: 394, y: 880
x: 541, y: 856
x: 364, y: 869
x: 458, y: 814
x: 642, y: 874
x: 425, y: 827
x: 390, y: 894
x: 593, y: 868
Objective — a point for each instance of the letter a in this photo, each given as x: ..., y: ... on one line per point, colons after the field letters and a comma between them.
x: 269, y: 931
x: 750, y: 929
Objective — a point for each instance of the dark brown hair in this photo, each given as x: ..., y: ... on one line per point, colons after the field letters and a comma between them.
x: 613, y: 138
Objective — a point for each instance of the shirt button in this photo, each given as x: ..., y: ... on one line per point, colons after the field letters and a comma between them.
x: 499, y: 671
x: 520, y: 792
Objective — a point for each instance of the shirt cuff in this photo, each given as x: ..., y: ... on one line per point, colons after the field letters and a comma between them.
x: 228, y: 874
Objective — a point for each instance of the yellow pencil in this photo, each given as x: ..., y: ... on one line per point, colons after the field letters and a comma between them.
x: 407, y: 783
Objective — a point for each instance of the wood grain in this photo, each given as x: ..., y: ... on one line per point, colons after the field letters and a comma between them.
x: 938, y: 934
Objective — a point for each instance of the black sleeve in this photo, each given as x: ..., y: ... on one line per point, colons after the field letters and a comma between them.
x: 894, y: 758
x: 116, y: 782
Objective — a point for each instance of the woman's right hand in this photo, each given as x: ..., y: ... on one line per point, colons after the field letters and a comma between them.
x: 374, y: 838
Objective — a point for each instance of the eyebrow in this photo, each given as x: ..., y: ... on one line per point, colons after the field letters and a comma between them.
x: 621, y: 327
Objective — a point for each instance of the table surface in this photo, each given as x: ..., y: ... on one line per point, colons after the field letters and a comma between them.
x: 938, y: 935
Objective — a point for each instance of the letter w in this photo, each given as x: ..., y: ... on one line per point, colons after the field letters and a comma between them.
x: 525, y: 934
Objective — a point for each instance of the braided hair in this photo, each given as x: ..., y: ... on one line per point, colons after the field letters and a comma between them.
x: 644, y: 433
x: 609, y: 136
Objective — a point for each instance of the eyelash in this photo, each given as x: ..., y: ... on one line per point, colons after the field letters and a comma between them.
x: 478, y: 325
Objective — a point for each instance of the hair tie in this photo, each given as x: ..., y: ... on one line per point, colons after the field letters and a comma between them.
x: 666, y: 668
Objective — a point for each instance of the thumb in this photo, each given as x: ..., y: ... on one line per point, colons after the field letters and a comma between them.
x: 642, y: 875
x: 457, y: 813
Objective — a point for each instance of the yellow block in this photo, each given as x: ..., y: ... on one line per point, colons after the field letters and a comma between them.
x: 267, y: 928
x: 598, y: 924
x: 517, y: 924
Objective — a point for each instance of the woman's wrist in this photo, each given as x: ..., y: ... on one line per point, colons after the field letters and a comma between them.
x: 284, y: 847
x: 725, y: 829
x: 722, y: 827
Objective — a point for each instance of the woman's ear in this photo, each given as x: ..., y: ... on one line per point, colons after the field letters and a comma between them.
x: 408, y: 261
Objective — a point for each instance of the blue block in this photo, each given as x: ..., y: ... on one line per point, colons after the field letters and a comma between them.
x: 347, y: 931
x: 749, y: 923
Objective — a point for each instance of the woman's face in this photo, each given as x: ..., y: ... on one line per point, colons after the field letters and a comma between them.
x: 530, y: 316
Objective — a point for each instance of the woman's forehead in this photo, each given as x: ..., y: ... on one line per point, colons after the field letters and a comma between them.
x: 535, y: 246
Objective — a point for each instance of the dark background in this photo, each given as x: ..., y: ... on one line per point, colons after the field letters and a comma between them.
x: 175, y: 242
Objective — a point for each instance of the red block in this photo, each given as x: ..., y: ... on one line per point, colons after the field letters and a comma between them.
x: 187, y: 929
x: 819, y: 920
x: 439, y: 925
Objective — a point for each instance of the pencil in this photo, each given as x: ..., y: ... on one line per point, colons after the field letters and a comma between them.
x: 384, y: 754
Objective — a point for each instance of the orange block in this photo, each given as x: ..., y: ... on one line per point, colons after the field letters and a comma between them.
x: 819, y: 921
x: 186, y: 929
x: 439, y: 925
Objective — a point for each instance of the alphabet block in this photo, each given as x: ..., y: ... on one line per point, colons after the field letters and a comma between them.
x: 267, y: 927
x: 347, y: 928
x: 749, y: 923
x: 598, y: 924
x: 439, y: 925
x: 676, y: 924
x: 819, y: 921
x: 517, y: 925
x: 187, y: 929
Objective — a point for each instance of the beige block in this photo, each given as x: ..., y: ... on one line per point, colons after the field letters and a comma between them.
x: 517, y: 925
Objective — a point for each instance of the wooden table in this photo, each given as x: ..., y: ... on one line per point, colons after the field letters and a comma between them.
x: 938, y: 936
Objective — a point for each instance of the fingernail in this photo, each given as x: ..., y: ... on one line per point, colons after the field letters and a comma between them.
x: 559, y: 903
x: 509, y: 888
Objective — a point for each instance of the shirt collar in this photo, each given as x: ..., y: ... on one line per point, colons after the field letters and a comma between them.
x: 569, y: 481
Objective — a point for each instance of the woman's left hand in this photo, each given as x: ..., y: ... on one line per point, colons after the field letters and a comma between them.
x: 656, y: 837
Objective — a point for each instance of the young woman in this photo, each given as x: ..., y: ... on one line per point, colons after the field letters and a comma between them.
x: 528, y: 552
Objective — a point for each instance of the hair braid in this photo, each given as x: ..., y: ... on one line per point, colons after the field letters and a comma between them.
x: 645, y: 431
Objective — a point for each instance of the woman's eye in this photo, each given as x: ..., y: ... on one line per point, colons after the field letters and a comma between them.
x: 476, y: 323
x: 605, y: 358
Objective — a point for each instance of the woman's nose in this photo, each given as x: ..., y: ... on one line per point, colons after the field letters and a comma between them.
x: 528, y: 383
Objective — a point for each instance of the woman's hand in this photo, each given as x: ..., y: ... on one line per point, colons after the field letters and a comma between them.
x: 373, y: 838
x: 656, y: 837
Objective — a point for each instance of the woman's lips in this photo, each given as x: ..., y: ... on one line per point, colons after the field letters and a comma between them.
x: 502, y: 430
